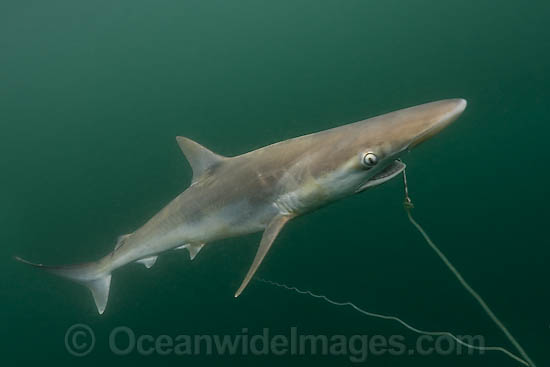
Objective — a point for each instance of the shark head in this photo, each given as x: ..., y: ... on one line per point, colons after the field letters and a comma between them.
x: 393, y: 133
x: 380, y: 141
x: 351, y: 158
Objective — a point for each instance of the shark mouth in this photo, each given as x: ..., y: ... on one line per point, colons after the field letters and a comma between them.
x: 390, y: 171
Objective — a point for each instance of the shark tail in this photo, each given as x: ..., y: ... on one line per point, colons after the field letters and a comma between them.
x: 91, y: 274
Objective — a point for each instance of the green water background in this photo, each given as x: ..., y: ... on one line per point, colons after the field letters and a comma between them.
x: 92, y: 95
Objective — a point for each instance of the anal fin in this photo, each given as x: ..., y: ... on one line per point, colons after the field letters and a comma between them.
x: 193, y: 249
x: 148, y: 261
x: 271, y: 232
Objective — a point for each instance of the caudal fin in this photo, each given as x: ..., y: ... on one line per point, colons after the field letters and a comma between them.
x: 89, y: 274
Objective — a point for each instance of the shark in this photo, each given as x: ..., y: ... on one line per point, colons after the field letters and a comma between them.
x: 264, y: 189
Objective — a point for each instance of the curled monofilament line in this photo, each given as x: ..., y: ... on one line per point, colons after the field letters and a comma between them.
x: 394, y: 318
x: 408, y: 205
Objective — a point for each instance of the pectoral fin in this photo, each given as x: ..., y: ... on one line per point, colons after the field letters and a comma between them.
x: 271, y: 232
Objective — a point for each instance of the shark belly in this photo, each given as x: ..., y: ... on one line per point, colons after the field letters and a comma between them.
x: 192, y: 219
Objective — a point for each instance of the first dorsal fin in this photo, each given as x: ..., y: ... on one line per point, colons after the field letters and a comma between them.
x: 199, y: 157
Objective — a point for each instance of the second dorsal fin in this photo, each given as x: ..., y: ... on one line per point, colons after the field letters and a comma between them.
x: 199, y: 157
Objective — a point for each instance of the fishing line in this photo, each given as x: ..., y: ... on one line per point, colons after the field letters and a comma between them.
x: 408, y: 206
x: 393, y: 318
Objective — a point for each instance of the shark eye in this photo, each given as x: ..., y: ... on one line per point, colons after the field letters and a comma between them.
x: 369, y: 159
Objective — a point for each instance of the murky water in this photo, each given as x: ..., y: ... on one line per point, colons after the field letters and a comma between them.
x: 93, y: 94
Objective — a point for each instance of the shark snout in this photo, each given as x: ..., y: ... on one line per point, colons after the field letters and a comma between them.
x: 436, y: 117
